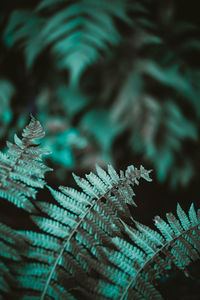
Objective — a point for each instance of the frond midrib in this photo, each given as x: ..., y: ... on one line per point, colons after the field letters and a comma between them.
x: 157, y: 253
x: 126, y: 181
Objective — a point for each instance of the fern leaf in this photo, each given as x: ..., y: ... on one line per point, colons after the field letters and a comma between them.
x: 51, y: 226
x: 90, y: 230
x: 22, y: 169
x: 183, y: 218
x: 73, y: 232
x: 41, y: 240
x: 57, y: 213
x: 164, y: 228
x: 67, y: 202
x: 104, y: 176
x: 176, y: 244
x: 76, y: 195
x: 90, y: 237
x: 150, y: 234
x: 193, y: 215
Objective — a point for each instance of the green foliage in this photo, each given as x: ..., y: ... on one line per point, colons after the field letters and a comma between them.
x: 77, y: 32
x: 133, y: 73
x: 11, y: 245
x: 175, y: 245
x: 86, y: 245
x: 21, y: 168
x: 80, y: 224
x: 62, y: 144
x: 158, y: 129
x: 75, y: 226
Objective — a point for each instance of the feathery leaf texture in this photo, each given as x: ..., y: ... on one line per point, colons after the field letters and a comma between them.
x: 79, y: 224
x: 57, y: 261
x: 152, y: 253
x: 82, y: 250
x: 85, y: 246
x: 21, y: 168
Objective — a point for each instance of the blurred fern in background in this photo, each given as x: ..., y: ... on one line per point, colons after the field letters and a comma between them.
x: 105, y: 76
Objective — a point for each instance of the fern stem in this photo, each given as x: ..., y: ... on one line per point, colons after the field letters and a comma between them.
x: 124, y: 180
x: 65, y: 244
x: 153, y: 257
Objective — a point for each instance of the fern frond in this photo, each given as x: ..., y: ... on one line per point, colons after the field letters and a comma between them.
x: 21, y: 168
x: 77, y: 32
x: 157, y: 131
x: 153, y: 253
x: 73, y: 232
x: 87, y: 247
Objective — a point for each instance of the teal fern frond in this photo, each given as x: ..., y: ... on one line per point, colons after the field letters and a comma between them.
x: 86, y: 247
x: 21, y: 168
x: 78, y: 32
x: 153, y: 253
x: 73, y: 231
x: 11, y: 244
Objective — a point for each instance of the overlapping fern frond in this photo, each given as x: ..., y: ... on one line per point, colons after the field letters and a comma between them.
x: 83, y: 250
x: 153, y: 253
x: 86, y: 247
x: 21, y: 168
x: 74, y: 229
